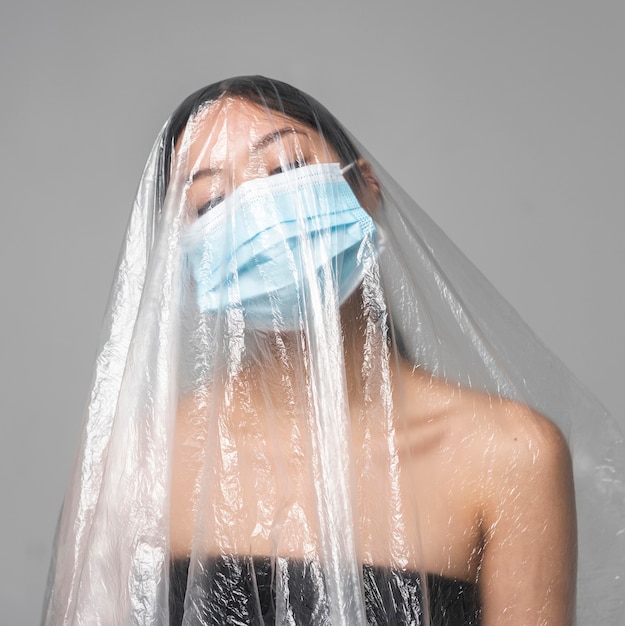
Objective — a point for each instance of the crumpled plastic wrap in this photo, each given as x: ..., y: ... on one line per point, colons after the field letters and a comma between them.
x: 309, y: 408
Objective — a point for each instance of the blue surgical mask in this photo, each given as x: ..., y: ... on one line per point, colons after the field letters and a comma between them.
x: 259, y: 250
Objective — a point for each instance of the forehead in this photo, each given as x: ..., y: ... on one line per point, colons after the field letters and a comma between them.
x: 233, y: 128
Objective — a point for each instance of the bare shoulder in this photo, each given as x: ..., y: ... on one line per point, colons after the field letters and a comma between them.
x: 506, y: 472
x: 517, y: 429
x: 518, y: 459
x: 523, y: 443
x: 527, y: 513
x: 498, y: 440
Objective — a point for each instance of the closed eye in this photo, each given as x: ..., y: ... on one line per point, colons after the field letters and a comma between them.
x: 291, y: 165
x: 212, y: 203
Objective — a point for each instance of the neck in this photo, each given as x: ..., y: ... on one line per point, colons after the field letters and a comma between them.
x: 275, y: 368
x: 276, y: 362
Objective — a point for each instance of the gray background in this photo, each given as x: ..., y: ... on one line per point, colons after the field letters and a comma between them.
x: 503, y: 120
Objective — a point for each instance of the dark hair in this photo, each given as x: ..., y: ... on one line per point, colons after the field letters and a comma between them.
x: 272, y: 94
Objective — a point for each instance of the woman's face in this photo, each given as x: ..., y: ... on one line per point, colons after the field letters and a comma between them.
x: 232, y: 141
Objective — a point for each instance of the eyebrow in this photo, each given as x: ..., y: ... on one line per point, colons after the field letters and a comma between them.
x: 204, y: 173
x: 269, y: 138
x: 261, y: 144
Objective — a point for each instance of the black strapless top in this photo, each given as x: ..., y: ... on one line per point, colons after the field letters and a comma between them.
x: 241, y: 590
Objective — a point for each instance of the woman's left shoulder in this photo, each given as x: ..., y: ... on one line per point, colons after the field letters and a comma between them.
x: 479, y: 418
x: 520, y: 433
x: 494, y: 439
x: 519, y: 457
x: 526, y: 507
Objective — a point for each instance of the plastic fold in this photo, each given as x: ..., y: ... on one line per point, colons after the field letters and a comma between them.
x: 309, y: 408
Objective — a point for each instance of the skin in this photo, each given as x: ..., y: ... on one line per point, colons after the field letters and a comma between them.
x: 497, y: 504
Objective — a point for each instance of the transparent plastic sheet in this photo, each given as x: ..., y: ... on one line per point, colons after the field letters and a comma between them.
x: 309, y: 408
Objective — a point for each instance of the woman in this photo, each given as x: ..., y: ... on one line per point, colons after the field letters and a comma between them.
x: 308, y: 409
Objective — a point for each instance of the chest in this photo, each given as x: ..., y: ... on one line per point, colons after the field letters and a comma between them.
x: 259, y: 491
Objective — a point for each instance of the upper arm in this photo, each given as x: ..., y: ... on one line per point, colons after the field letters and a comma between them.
x: 528, y: 570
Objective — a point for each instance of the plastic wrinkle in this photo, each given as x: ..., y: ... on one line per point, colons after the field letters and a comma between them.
x: 309, y: 408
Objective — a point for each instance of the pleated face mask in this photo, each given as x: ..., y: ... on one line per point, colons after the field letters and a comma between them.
x: 255, y: 249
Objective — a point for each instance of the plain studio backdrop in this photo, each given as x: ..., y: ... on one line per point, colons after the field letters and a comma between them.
x: 503, y: 120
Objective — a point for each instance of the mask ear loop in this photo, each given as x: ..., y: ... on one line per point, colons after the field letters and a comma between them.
x: 347, y: 168
x: 379, y: 234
